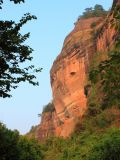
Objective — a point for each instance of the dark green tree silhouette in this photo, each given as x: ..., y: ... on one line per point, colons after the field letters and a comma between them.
x: 14, y: 53
x: 16, y: 147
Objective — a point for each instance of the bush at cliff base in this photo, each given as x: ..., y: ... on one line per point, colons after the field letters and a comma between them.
x: 108, y: 148
x: 85, y: 146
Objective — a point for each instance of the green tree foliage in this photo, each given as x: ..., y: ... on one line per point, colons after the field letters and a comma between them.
x: 97, y: 11
x: 29, y: 150
x: 108, y: 148
x: 84, y: 146
x: 8, y: 144
x: 15, y: 147
x: 14, y: 53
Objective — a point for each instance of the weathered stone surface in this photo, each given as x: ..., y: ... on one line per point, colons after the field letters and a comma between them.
x: 107, y: 33
x: 47, y: 126
x: 69, y: 74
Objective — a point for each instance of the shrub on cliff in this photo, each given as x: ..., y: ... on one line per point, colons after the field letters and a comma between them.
x: 97, y: 11
x: 106, y: 75
x: 49, y: 107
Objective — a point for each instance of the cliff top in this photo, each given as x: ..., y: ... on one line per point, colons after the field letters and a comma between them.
x: 81, y: 31
x: 83, y: 24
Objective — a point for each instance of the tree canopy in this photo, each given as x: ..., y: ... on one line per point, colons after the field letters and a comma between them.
x: 14, y: 53
x: 16, y: 147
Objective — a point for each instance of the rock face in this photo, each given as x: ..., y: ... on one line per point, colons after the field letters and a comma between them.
x: 69, y: 75
x: 68, y: 78
x: 46, y: 128
x: 107, y: 33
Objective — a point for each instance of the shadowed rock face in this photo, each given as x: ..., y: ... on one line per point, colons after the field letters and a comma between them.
x: 69, y: 74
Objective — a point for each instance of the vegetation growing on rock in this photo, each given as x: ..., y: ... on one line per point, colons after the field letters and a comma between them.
x: 105, y: 76
x: 49, y: 107
x: 96, y: 11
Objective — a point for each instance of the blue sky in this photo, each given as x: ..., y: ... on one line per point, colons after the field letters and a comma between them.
x: 55, y: 21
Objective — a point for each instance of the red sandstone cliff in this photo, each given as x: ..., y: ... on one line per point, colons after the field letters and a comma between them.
x: 46, y: 128
x: 68, y: 77
x: 69, y: 74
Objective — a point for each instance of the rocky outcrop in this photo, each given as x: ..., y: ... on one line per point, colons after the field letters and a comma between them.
x: 46, y: 128
x: 69, y: 75
x: 68, y: 78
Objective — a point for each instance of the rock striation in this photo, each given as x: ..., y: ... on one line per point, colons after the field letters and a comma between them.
x: 46, y: 127
x: 69, y: 74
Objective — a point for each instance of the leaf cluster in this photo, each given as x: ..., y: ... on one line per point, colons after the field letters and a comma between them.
x: 13, y: 54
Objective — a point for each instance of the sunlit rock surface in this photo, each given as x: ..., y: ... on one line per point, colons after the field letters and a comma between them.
x: 69, y: 75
